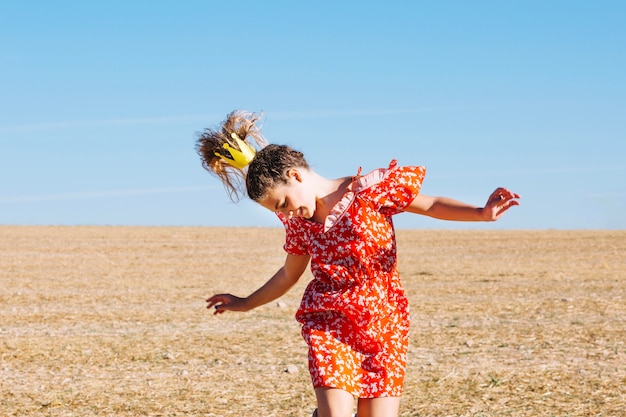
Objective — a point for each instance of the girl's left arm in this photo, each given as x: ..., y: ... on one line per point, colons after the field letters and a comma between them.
x: 445, y: 208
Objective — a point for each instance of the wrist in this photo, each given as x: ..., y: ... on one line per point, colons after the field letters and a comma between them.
x: 246, y: 304
x: 486, y: 215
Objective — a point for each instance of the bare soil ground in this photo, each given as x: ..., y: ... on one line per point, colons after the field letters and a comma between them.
x: 110, y: 321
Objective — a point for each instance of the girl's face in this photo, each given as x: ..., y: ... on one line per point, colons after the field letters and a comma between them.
x: 293, y: 199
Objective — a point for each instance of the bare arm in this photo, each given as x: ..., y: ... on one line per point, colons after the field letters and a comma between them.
x: 277, y: 285
x: 445, y: 208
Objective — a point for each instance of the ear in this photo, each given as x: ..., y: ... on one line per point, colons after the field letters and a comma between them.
x: 295, y: 174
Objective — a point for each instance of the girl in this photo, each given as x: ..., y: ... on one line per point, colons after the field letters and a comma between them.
x: 354, y: 313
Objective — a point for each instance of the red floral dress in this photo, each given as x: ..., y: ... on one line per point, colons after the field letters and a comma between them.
x: 354, y: 313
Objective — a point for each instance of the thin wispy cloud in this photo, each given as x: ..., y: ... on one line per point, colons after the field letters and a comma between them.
x: 37, y: 127
x: 327, y: 114
x: 203, y: 119
x: 104, y: 194
x: 530, y: 172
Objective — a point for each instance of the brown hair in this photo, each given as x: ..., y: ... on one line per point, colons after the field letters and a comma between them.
x: 268, y: 167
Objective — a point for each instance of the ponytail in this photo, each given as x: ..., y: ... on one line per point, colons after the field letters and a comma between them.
x: 212, y: 144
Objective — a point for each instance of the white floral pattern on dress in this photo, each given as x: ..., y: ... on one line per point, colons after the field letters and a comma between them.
x: 354, y: 313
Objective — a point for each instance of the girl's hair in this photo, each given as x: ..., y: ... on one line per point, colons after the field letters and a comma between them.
x: 268, y: 167
x: 211, y: 141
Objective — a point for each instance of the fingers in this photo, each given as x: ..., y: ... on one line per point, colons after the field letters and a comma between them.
x: 211, y: 301
x: 505, y: 206
x: 219, y: 308
x: 217, y: 302
x: 507, y: 199
x: 499, y: 202
x: 501, y: 194
x: 225, y: 302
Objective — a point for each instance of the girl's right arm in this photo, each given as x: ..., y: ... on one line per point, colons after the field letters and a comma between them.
x: 278, y: 285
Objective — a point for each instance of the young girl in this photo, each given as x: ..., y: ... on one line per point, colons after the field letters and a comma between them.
x: 354, y: 313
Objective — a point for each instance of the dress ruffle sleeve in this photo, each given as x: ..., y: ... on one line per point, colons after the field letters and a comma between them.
x: 398, y: 188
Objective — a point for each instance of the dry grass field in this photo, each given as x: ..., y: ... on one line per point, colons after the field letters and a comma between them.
x: 111, y: 321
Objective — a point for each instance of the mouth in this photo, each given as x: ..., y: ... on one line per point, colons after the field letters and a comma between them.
x: 296, y: 213
x: 303, y: 213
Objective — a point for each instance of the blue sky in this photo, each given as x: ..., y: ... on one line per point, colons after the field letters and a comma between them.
x: 102, y: 102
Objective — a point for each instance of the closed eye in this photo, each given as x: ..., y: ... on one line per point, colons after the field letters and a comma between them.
x: 282, y: 206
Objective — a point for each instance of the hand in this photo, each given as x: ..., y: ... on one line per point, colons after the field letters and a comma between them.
x: 499, y: 201
x: 224, y: 302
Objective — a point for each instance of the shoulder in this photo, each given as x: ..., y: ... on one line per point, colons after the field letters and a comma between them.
x: 388, y: 176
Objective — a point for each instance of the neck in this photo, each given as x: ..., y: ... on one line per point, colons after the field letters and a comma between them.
x: 330, y: 193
